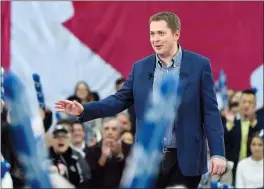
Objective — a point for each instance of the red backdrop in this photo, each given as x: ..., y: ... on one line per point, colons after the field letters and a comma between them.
x: 229, y: 33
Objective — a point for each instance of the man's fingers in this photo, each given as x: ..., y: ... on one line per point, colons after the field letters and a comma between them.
x: 211, y: 167
x: 68, y: 107
x: 77, y: 104
x: 63, y: 102
x: 60, y: 102
x: 215, y: 169
x: 60, y: 110
x: 59, y: 106
x: 219, y: 170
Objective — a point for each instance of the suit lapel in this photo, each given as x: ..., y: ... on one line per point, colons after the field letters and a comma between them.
x: 148, y: 75
x: 185, y: 71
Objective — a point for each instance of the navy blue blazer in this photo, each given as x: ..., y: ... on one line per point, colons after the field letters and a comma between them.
x: 199, y: 117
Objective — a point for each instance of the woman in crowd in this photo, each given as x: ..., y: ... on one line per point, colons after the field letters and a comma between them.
x: 250, y: 170
x: 83, y: 92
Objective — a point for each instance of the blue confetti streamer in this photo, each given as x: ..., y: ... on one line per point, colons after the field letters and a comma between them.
x: 25, y: 144
x: 146, y: 155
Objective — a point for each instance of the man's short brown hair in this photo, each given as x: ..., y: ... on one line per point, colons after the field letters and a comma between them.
x: 172, y: 20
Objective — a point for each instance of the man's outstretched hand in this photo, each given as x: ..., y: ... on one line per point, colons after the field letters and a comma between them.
x: 69, y: 107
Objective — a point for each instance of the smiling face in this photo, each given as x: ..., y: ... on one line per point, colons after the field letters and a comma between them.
x: 77, y: 133
x: 162, y: 39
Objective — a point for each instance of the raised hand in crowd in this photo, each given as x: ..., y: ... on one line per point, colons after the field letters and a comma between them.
x: 106, y: 151
x: 116, y: 148
x: 229, y: 116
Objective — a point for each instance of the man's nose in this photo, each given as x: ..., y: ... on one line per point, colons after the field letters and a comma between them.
x: 156, y: 39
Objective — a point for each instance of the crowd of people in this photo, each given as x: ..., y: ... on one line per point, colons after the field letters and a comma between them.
x: 94, y: 154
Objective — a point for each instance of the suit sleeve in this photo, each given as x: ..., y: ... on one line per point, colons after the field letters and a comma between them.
x: 211, y: 115
x: 112, y: 104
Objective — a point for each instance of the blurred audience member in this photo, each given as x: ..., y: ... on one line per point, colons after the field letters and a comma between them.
x: 70, y: 163
x: 127, y: 138
x: 95, y: 96
x: 236, y: 96
x: 46, y: 117
x: 125, y: 128
x: 77, y: 137
x: 250, y: 170
x: 65, y: 122
x: 131, y: 109
x: 9, y: 152
x: 230, y: 93
x: 123, y: 119
x: 83, y: 92
x: 238, y: 130
x: 119, y: 83
x: 74, y: 97
x: 107, y: 158
x: 234, y: 103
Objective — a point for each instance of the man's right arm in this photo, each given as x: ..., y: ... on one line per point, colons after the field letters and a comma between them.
x: 112, y: 104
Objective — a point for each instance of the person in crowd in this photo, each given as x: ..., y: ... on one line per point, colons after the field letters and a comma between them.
x: 131, y: 110
x: 74, y: 97
x: 70, y: 163
x: 125, y: 127
x: 95, y: 96
x: 233, y: 106
x: 230, y: 92
x: 46, y: 117
x: 127, y: 138
x: 9, y: 153
x: 234, y: 103
x: 249, y: 172
x: 83, y: 92
x: 107, y: 158
x: 239, y: 130
x: 78, y: 138
x: 119, y: 83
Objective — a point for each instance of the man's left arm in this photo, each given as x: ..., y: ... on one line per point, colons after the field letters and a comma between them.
x: 211, y: 115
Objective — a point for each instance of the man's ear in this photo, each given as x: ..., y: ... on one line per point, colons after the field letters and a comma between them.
x: 176, y: 35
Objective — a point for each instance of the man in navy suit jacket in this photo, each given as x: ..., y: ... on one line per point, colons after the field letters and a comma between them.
x: 199, y: 117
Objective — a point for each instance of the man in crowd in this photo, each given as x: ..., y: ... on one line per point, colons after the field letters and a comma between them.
x: 69, y: 162
x: 77, y: 138
x: 107, y: 158
x: 125, y: 128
